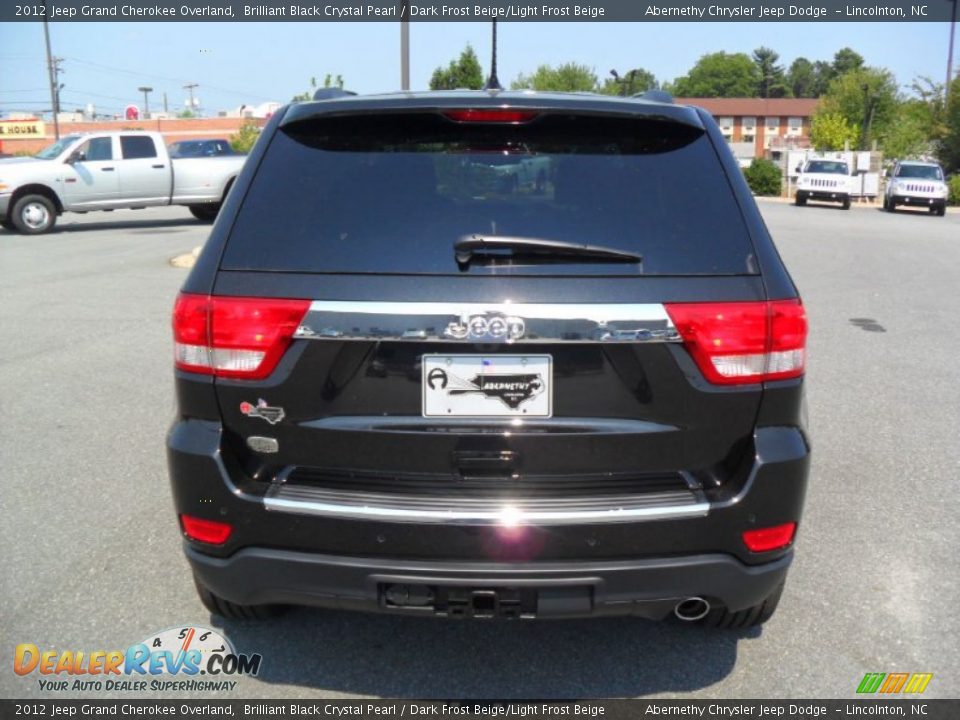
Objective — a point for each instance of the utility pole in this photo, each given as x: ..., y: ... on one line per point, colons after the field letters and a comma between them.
x: 405, y: 46
x: 53, y: 69
x: 189, y: 88
x: 146, y: 100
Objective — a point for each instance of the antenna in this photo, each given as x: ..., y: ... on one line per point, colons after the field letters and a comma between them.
x: 493, y: 83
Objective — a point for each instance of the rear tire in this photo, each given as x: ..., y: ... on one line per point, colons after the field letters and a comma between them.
x: 34, y: 214
x: 720, y: 617
x: 231, y: 610
x: 205, y: 213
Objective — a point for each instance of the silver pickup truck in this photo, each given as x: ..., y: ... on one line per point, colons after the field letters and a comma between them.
x: 106, y: 171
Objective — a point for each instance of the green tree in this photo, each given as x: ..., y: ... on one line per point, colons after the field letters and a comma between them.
x: 328, y: 82
x: 773, y: 81
x: 245, y: 137
x: 846, y: 60
x: 832, y: 131
x: 719, y: 75
x: 764, y: 177
x: 801, y: 78
x: 865, y: 96
x: 463, y: 73
x: 823, y: 74
x: 635, y: 81
x: 568, y: 77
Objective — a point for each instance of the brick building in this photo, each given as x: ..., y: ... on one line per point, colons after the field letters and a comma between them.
x: 758, y: 127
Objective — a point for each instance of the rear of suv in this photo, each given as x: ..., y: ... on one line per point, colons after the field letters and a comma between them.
x: 405, y: 385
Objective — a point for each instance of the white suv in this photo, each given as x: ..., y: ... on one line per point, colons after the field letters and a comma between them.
x: 918, y: 184
x: 827, y: 180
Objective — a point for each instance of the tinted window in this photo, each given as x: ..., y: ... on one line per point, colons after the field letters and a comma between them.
x: 392, y: 194
x: 97, y: 149
x: 137, y: 146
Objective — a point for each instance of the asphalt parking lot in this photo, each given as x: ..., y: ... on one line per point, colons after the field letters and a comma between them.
x: 92, y: 556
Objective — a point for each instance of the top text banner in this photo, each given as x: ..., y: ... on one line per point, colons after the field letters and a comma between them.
x: 477, y: 10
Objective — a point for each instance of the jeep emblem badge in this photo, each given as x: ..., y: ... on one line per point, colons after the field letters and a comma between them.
x: 497, y: 327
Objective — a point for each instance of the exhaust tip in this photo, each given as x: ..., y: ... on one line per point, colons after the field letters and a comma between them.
x: 692, y: 609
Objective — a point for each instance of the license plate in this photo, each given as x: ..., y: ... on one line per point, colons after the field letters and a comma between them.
x: 487, y: 386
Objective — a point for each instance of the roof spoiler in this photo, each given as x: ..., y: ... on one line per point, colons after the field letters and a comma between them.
x: 331, y: 93
x: 661, y: 96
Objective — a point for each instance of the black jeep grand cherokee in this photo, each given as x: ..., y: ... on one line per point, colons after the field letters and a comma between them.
x: 490, y: 354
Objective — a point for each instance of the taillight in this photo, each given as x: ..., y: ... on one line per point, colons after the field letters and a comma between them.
x: 207, y: 531
x: 744, y: 342
x: 491, y: 115
x: 771, y: 538
x: 233, y: 336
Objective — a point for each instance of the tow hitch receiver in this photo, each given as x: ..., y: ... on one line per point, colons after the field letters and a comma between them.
x: 456, y: 602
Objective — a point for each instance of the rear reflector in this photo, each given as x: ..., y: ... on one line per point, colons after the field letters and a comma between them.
x: 771, y: 538
x: 233, y: 336
x: 477, y: 115
x: 207, y: 531
x: 744, y: 342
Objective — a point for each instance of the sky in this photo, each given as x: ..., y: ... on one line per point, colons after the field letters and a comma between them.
x: 250, y: 63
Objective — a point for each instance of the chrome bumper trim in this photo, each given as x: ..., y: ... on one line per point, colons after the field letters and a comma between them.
x: 493, y: 512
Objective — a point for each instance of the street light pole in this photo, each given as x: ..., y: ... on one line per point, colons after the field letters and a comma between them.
x: 953, y: 32
x: 146, y: 100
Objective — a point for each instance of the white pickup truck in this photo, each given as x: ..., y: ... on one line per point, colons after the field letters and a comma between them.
x: 107, y: 171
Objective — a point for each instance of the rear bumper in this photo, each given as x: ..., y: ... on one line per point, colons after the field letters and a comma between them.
x: 639, y: 566
x: 648, y: 588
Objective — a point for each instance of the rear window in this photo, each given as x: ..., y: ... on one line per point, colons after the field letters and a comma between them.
x: 393, y: 193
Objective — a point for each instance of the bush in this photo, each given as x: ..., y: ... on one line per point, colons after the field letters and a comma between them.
x: 954, y: 185
x: 763, y: 177
x: 246, y: 136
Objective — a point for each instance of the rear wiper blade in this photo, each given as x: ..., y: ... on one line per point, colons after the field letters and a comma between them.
x: 469, y: 245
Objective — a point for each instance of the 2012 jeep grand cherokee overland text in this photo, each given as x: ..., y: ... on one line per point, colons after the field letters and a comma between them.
x: 410, y: 381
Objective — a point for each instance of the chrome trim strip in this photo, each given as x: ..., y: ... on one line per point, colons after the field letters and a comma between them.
x: 506, y: 516
x: 487, y: 322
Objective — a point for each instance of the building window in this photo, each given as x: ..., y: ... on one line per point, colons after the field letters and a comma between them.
x: 795, y: 126
x: 772, y: 125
